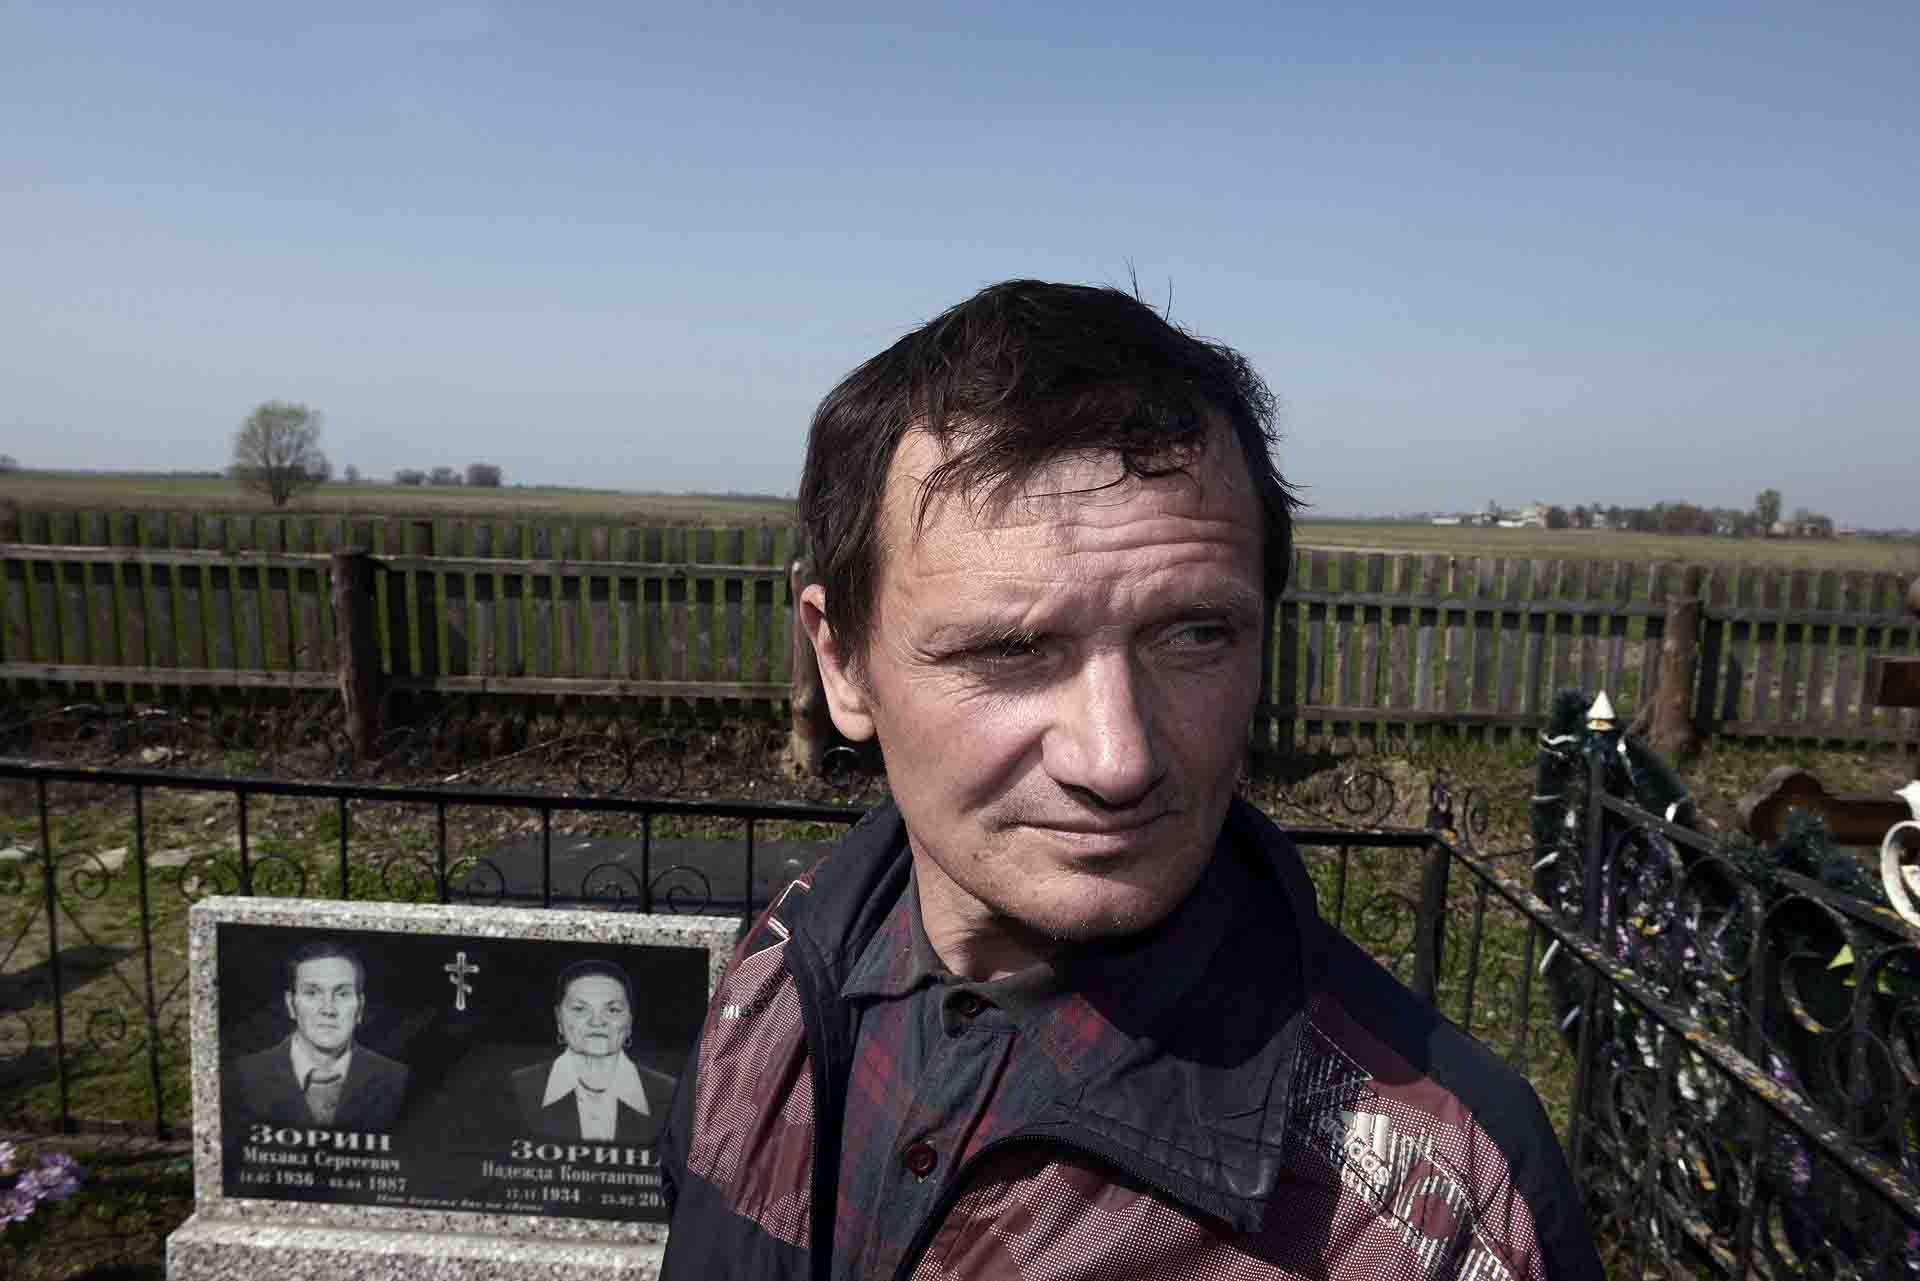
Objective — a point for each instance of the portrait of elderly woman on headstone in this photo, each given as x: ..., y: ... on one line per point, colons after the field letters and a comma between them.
x: 592, y: 1089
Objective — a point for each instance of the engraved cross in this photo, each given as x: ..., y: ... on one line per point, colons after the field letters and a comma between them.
x: 457, y: 971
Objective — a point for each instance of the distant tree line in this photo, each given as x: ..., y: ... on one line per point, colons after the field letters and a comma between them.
x: 477, y: 476
x: 1762, y: 520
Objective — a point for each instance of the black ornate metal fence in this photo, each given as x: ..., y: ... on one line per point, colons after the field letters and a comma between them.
x: 1732, y: 1064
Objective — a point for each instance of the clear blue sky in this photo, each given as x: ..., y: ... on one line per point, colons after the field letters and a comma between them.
x: 1664, y: 251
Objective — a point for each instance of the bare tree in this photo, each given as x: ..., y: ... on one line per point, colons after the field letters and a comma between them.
x: 351, y: 475
x: 483, y: 475
x: 443, y: 476
x: 409, y: 476
x: 276, y: 452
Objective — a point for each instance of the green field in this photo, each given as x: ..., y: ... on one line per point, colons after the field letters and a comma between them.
x: 1864, y: 555
x: 45, y: 492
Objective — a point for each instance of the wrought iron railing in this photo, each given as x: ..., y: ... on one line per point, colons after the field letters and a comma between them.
x: 1733, y: 1102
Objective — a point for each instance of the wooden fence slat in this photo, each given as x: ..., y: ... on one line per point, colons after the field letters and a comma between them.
x: 1313, y: 683
x: 1823, y: 698
x: 1343, y: 655
x: 1370, y: 692
x: 514, y: 627
x: 568, y: 607
x: 1486, y: 635
x: 46, y: 611
x: 1592, y: 586
x: 540, y: 612
x: 704, y: 624
x: 250, y: 645
x: 1882, y: 590
x: 486, y: 618
x: 1456, y: 612
x: 1621, y: 585
x: 1772, y: 587
x: 455, y: 586
x: 1846, y: 646
x: 1425, y: 657
x: 136, y: 649
x: 596, y: 590
x: 216, y: 585
x: 1737, y: 689
x: 429, y: 644
x: 280, y: 601
x: 762, y: 589
x: 1658, y: 592
x: 1561, y: 589
x: 1712, y: 588
x: 1400, y: 632
x: 1792, y: 651
x: 17, y: 635
x: 730, y: 548
x: 1534, y: 701
x: 1515, y: 578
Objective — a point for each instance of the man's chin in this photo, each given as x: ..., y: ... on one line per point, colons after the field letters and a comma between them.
x: 1102, y: 913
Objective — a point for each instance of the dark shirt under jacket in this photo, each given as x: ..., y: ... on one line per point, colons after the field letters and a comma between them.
x: 945, y: 1065
x: 261, y: 1087
x: 560, y: 1119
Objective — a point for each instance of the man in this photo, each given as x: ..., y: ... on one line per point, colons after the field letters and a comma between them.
x: 1065, y: 1007
x: 317, y: 1075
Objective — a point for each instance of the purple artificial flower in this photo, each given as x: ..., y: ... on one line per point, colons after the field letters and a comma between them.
x: 16, y: 1203
x: 59, y: 1176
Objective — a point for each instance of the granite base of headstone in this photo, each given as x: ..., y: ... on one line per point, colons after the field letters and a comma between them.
x: 435, y: 1092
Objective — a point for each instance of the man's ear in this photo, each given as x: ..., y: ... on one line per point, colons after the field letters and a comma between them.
x: 847, y: 697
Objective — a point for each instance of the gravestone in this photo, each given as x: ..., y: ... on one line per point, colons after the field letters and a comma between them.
x: 447, y: 1093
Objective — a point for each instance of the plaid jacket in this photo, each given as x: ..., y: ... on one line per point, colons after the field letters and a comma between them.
x: 1300, y: 1114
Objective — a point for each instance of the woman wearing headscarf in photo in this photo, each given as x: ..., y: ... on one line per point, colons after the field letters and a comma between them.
x: 593, y: 1090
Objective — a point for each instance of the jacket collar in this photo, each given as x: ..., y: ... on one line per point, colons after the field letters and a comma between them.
x: 1185, y: 1076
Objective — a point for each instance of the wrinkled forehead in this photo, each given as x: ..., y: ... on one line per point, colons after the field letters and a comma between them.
x: 326, y: 971
x: 1062, y: 489
x: 596, y: 989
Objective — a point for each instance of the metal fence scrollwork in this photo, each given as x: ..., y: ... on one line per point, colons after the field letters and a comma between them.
x: 1728, y: 1036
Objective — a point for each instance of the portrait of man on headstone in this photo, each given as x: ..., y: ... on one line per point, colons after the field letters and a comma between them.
x: 1065, y: 1006
x: 592, y: 1089
x: 318, y: 1074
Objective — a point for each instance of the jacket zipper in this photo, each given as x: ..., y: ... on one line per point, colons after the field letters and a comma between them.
x: 826, y: 1183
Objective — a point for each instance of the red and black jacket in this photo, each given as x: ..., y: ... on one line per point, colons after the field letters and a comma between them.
x: 1296, y: 1113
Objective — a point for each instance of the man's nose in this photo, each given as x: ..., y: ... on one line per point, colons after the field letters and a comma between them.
x: 1102, y: 743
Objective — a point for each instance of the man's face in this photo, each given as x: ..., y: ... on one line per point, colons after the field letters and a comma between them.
x: 325, y: 1003
x: 1061, y: 685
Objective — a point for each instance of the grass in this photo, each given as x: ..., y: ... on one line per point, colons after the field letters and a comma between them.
x: 1867, y: 555
x: 46, y: 491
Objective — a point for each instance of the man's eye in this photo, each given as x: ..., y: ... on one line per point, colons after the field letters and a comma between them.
x: 1203, y: 636
x: 1010, y: 648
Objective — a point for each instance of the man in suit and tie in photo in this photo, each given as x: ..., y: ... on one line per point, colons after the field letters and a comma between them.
x: 317, y: 1075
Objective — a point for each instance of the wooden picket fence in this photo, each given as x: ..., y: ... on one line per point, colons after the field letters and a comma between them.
x: 129, y: 606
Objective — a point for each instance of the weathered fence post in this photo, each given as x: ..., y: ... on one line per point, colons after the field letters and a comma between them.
x: 812, y: 722
x: 1671, y: 730
x: 357, y: 647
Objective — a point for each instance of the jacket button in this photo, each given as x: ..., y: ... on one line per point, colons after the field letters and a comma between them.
x: 920, y: 1158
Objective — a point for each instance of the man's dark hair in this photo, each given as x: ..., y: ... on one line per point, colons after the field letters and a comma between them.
x: 323, y: 950
x: 1020, y: 374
